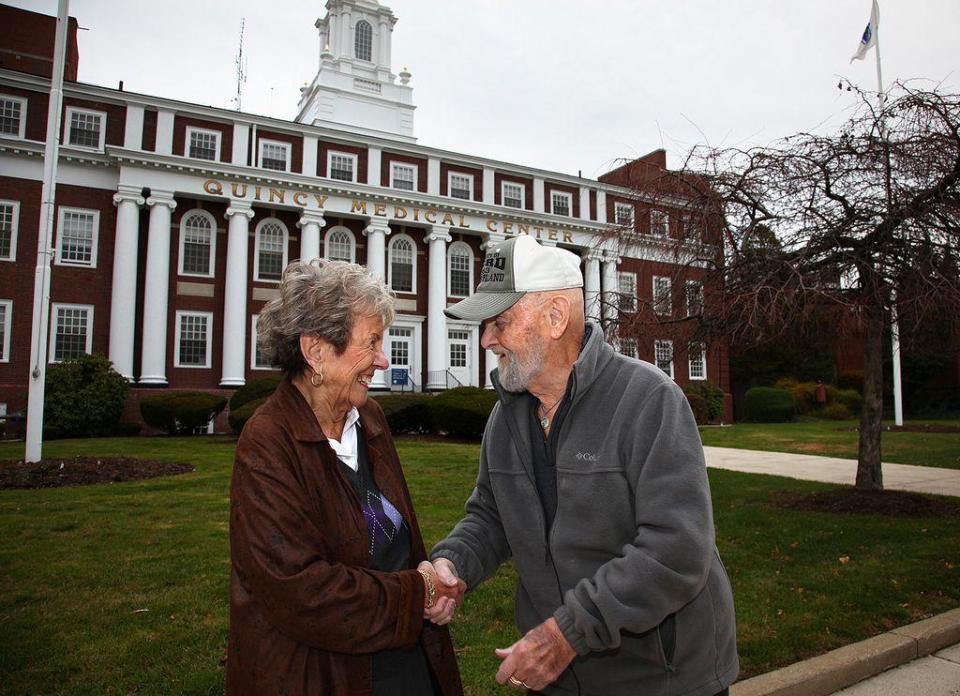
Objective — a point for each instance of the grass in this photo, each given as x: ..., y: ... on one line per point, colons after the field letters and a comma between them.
x: 839, y: 439
x: 78, y: 567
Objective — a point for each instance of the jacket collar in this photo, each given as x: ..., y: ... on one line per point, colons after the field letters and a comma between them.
x: 303, y: 423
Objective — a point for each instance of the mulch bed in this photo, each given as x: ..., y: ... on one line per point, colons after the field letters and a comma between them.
x: 83, y: 471
x: 912, y: 428
x: 853, y: 501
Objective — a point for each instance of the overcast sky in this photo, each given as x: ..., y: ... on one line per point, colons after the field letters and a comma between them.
x: 558, y: 84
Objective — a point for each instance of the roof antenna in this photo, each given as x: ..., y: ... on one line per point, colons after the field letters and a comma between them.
x: 241, y: 66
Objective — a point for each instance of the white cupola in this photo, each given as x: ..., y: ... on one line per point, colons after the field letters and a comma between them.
x: 354, y: 88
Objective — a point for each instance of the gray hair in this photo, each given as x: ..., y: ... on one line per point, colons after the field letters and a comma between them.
x: 322, y: 298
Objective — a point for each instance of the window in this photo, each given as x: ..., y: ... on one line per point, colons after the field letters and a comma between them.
x: 694, y: 298
x: 400, y: 349
x: 193, y: 339
x: 627, y: 287
x: 197, y: 239
x: 339, y: 244
x: 512, y: 195
x: 663, y: 355
x: 662, y: 296
x: 403, y: 255
x: 561, y: 203
x: 85, y: 128
x: 77, y: 237
x: 258, y: 361
x: 72, y: 332
x: 203, y: 144
x: 271, y: 246
x: 13, y: 116
x: 628, y: 347
x: 659, y: 223
x: 693, y: 227
x: 623, y: 214
x: 403, y: 176
x: 6, y: 317
x: 9, y: 222
x: 460, y: 186
x: 275, y: 155
x: 457, y: 340
x: 460, y: 267
x: 363, y: 41
x: 697, y: 358
x: 341, y: 166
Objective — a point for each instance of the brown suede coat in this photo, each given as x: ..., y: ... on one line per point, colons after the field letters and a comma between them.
x: 306, y: 612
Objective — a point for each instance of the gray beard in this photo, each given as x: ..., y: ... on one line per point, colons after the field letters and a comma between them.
x: 516, y: 375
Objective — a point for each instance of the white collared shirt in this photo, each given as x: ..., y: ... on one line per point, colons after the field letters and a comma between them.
x: 346, y: 446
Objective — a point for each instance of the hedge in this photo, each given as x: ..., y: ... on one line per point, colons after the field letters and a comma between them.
x: 698, y: 405
x: 83, y: 398
x: 407, y: 413
x: 804, y: 394
x: 181, y: 412
x: 462, y: 412
x: 253, y: 390
x: 848, y: 398
x: 239, y: 417
x: 712, y: 396
x: 769, y: 405
x: 835, y: 411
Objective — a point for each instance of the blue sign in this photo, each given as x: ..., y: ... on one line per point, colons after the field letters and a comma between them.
x: 398, y: 376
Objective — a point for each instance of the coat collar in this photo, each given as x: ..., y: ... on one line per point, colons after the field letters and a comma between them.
x: 303, y: 423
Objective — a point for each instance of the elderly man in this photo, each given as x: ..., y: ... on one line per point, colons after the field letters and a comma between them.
x: 592, y: 480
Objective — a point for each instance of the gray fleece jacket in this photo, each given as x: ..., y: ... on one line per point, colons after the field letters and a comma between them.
x: 629, y: 569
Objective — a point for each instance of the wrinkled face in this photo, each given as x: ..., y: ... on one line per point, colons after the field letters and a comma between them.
x: 519, y: 347
x: 348, y: 376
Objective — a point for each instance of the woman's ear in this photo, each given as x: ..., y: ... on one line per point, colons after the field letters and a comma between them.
x: 312, y: 348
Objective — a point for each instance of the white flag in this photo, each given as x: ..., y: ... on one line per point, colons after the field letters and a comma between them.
x: 869, y: 38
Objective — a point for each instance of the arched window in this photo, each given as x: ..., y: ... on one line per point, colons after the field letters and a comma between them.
x: 271, y: 249
x: 339, y: 245
x: 402, y: 275
x: 197, y: 243
x: 363, y: 41
x: 459, y: 270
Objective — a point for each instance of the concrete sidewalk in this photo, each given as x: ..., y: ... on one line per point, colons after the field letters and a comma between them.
x: 901, y: 477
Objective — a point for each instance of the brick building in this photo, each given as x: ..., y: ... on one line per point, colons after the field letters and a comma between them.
x: 175, y: 220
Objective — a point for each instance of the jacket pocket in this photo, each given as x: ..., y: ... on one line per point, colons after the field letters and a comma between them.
x: 667, y: 636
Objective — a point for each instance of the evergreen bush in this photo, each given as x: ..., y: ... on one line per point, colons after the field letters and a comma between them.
x: 239, y: 417
x: 804, y: 394
x: 463, y: 412
x: 769, y: 405
x: 698, y: 405
x: 712, y: 395
x: 407, y: 413
x: 848, y: 398
x: 253, y: 390
x: 181, y: 412
x: 835, y: 411
x: 83, y: 398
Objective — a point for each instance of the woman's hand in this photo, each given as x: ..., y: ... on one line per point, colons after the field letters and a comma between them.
x: 443, y: 590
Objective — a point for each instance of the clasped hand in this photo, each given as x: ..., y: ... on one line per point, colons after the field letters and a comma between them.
x: 449, y: 590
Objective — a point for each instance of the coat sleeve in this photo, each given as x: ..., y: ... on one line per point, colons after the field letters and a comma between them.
x: 668, y: 561
x: 278, y: 552
x: 477, y: 545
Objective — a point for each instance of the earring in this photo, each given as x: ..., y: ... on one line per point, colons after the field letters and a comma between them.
x: 313, y: 378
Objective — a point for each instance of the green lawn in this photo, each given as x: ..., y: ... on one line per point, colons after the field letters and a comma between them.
x: 122, y: 588
x: 839, y: 439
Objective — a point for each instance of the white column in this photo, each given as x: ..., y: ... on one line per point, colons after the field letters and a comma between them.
x: 373, y: 166
x: 309, y: 155
x: 601, y: 206
x: 610, y: 290
x: 438, y: 238
x: 895, y: 360
x: 310, y: 224
x: 489, y: 185
x: 241, y: 136
x: 235, y: 294
x: 123, y: 291
x: 584, y: 203
x: 591, y: 282
x: 539, y: 204
x: 433, y: 176
x: 347, y: 39
x: 164, y: 144
x: 491, y: 357
x: 376, y: 234
x: 133, y: 128
x: 156, y: 289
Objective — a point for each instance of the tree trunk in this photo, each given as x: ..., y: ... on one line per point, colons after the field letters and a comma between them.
x: 869, y: 472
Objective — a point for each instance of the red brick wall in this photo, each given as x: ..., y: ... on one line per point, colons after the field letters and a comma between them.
x: 116, y: 119
x: 27, y: 40
x: 527, y: 184
x: 37, y: 105
x: 149, y: 141
x: 180, y: 124
x: 446, y: 168
x: 390, y: 157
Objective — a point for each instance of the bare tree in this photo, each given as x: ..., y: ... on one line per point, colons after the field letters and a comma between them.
x: 848, y: 225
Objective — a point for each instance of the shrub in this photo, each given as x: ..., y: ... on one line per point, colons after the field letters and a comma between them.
x: 463, y: 412
x: 181, y: 412
x: 712, y: 395
x: 835, y: 411
x: 407, y: 413
x: 769, y: 405
x: 253, y: 390
x: 239, y: 417
x: 804, y: 394
x: 699, y: 407
x: 83, y: 398
x: 850, y: 380
x: 848, y: 398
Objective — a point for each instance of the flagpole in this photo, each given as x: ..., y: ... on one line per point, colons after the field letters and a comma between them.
x: 894, y: 324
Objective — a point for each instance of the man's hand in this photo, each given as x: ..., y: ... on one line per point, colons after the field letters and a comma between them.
x: 449, y: 590
x: 537, y: 659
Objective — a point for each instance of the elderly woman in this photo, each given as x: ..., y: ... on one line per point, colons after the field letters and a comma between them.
x: 329, y: 588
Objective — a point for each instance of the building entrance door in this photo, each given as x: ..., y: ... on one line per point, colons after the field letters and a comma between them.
x: 460, y: 358
x: 400, y: 351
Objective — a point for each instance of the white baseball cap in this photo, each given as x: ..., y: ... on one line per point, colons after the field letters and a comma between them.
x: 513, y: 268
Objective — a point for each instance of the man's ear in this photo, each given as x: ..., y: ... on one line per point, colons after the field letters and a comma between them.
x: 312, y: 347
x: 558, y: 315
